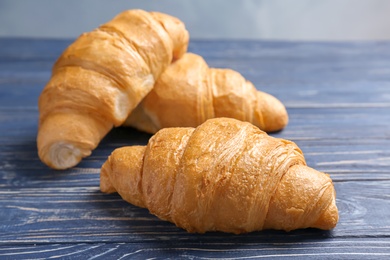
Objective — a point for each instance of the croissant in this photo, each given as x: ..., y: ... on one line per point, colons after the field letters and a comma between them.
x: 225, y: 175
x: 188, y: 93
x: 100, y: 78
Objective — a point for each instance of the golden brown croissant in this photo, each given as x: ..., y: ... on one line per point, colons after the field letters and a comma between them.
x: 225, y: 175
x: 188, y: 93
x: 100, y: 78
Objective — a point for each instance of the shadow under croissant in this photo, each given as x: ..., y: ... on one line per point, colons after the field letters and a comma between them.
x: 123, y: 135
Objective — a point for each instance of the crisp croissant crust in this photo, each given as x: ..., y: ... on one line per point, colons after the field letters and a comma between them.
x: 100, y: 78
x: 188, y: 93
x: 225, y: 175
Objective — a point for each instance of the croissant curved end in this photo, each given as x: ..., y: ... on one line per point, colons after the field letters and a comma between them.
x: 105, y: 182
x: 330, y: 216
x: 274, y: 112
x: 62, y: 155
x: 304, y: 198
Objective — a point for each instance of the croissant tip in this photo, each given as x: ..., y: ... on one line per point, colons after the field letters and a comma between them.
x: 62, y: 155
x: 328, y: 220
x: 274, y: 112
x: 105, y: 183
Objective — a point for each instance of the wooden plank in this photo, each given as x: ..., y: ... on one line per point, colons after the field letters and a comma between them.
x: 23, y: 89
x: 24, y: 81
x: 300, y: 74
x: 340, y: 162
x: 27, y: 49
x: 351, y: 145
x: 84, y: 214
x: 350, y: 248
x: 304, y: 124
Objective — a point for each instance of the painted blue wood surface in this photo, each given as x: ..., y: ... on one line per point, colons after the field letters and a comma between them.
x: 338, y: 99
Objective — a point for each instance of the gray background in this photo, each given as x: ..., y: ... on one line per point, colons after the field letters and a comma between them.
x: 205, y: 19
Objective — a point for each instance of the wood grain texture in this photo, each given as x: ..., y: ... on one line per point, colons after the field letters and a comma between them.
x: 337, y: 248
x: 90, y: 216
x: 337, y: 96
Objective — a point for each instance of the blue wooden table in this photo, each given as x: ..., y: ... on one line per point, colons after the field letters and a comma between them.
x: 338, y: 99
